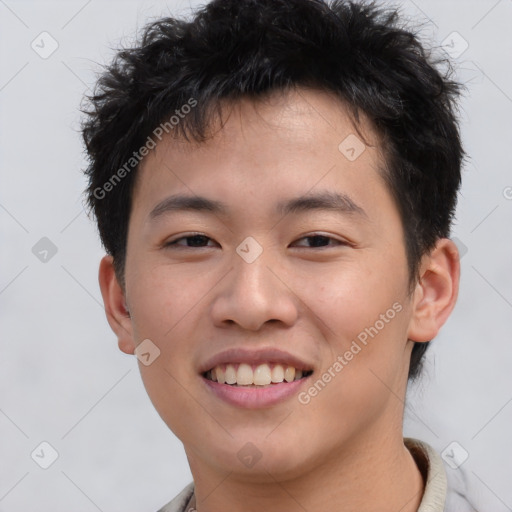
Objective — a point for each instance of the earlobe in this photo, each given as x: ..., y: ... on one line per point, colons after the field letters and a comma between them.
x: 436, y: 291
x: 116, y: 310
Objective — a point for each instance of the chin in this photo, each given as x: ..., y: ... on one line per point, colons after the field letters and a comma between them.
x: 256, y: 459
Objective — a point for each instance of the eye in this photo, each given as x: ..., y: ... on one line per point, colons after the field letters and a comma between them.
x: 193, y: 240
x: 322, y: 241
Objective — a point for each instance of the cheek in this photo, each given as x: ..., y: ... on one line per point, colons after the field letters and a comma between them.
x: 362, y: 373
x: 165, y: 309
x: 167, y: 384
x: 367, y: 319
x: 164, y: 305
x: 350, y: 298
x: 161, y: 298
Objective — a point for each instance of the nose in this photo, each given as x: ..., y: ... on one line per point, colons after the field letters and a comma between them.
x: 254, y: 294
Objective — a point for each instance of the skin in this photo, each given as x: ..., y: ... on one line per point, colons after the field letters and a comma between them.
x: 343, y: 450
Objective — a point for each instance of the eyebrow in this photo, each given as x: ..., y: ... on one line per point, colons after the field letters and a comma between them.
x: 333, y: 201
x: 188, y: 203
x: 326, y: 200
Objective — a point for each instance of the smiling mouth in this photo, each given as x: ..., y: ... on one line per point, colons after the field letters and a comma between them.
x: 260, y: 375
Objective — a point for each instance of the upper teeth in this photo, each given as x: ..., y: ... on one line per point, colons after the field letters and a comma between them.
x: 261, y: 375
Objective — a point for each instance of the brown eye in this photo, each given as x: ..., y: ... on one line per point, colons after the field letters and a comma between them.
x: 321, y: 241
x: 198, y: 240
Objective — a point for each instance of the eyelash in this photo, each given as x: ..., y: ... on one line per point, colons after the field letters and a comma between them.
x: 173, y: 243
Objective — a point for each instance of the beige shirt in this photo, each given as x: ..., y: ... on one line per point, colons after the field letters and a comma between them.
x: 437, y: 496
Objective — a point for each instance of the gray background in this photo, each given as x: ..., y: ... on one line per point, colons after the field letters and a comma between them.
x: 63, y: 379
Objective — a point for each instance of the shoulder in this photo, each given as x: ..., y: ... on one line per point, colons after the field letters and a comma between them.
x: 445, y: 489
x: 181, y: 501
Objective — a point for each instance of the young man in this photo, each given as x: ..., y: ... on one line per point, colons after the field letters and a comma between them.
x: 274, y: 183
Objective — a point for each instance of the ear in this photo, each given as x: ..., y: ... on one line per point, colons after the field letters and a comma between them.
x: 116, y: 310
x: 436, y: 292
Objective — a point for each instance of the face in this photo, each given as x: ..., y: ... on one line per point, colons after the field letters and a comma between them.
x: 292, y: 263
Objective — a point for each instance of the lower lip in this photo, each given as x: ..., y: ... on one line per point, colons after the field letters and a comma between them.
x: 255, y: 397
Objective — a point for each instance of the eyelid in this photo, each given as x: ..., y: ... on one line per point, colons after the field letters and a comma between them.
x: 192, y: 234
x: 324, y: 235
x: 173, y: 242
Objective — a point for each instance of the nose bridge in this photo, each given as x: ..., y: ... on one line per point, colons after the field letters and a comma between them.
x: 254, y: 277
x: 252, y: 294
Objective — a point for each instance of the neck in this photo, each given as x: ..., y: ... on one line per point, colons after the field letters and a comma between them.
x: 376, y: 476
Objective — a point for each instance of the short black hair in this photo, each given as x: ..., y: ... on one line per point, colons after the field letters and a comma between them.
x: 230, y: 49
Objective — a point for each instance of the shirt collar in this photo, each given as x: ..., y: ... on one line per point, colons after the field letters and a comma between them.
x: 431, y: 466
x: 427, y: 459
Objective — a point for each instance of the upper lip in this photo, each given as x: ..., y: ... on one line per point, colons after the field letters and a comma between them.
x: 256, y: 356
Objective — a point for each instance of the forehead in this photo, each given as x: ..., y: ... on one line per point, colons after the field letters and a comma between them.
x: 263, y: 150
x: 294, y: 117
